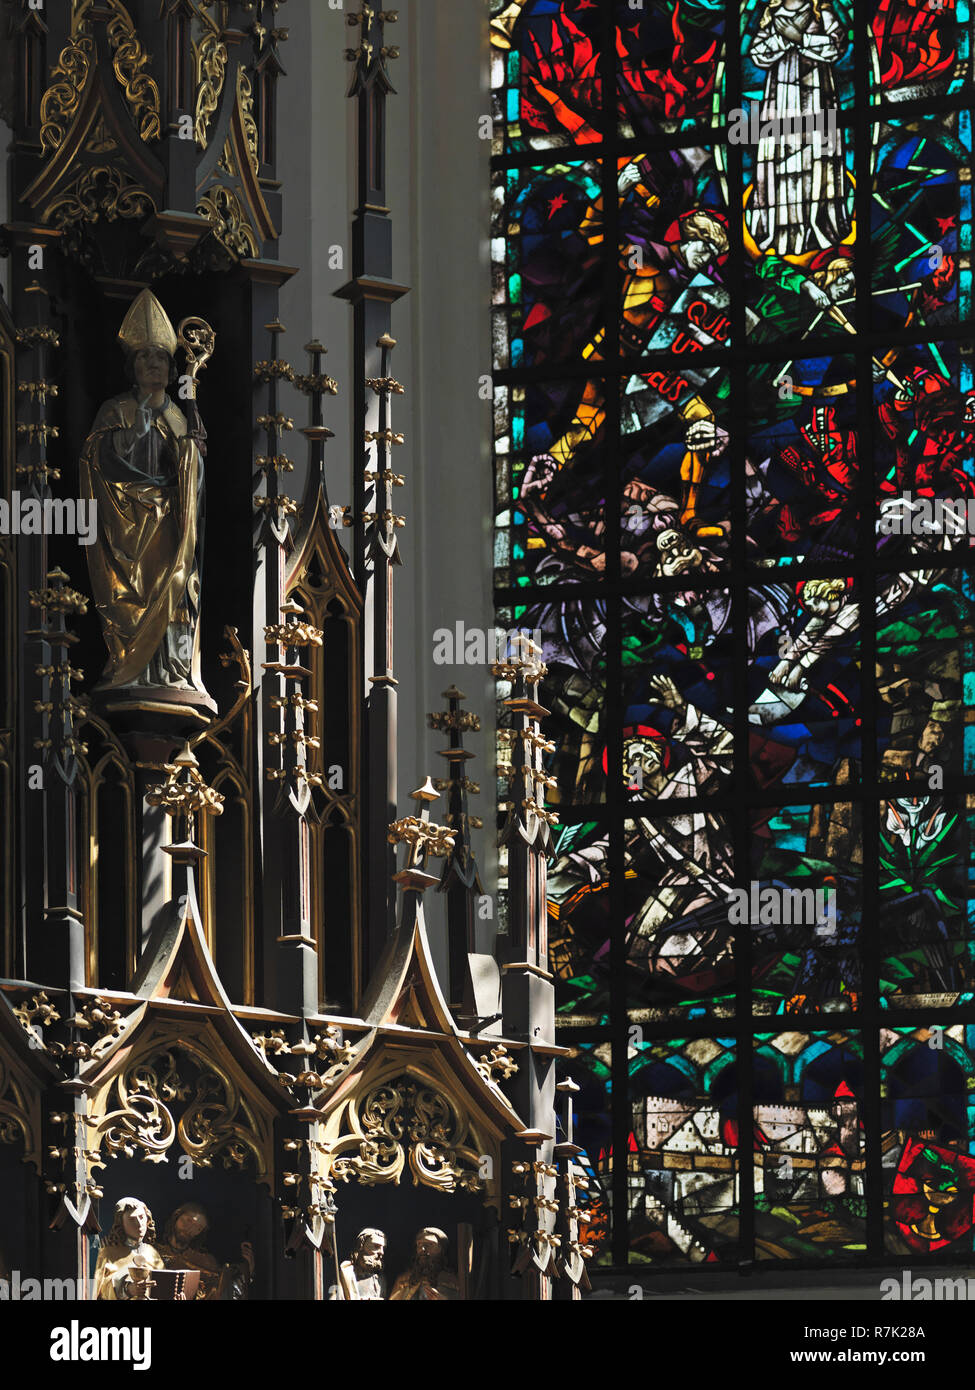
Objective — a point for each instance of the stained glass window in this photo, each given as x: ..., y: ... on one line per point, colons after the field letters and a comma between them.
x: 735, y: 463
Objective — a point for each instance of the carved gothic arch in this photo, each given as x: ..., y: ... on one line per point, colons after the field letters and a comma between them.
x: 229, y: 192
x: 415, y: 1099
x: 25, y: 1075
x: 317, y: 539
x: 406, y: 1116
x: 182, y: 1075
x: 319, y: 578
x: 95, y: 128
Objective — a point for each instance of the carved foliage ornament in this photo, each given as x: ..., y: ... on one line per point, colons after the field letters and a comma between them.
x: 401, y: 1123
x: 245, y: 101
x: 60, y: 102
x: 97, y: 191
x: 497, y: 1063
x: 130, y: 61
x: 221, y: 207
x: 238, y: 218
x: 216, y: 1122
x: 211, y: 68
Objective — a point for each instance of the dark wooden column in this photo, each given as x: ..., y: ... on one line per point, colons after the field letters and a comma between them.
x: 372, y: 294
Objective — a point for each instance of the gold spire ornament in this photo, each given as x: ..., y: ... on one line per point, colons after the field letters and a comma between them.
x: 147, y: 325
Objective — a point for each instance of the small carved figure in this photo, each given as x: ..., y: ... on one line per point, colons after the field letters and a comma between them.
x: 184, y: 1246
x: 428, y: 1280
x: 126, y: 1261
x: 362, y: 1275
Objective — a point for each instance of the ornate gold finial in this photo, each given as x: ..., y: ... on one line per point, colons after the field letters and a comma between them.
x: 184, y: 792
x: 427, y: 792
x: 57, y: 597
x: 421, y: 835
x: 293, y: 632
x: 147, y: 325
x: 523, y: 660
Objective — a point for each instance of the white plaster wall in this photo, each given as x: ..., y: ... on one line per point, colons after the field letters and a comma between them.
x: 438, y: 191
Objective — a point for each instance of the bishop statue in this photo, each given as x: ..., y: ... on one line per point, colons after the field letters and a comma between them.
x: 143, y: 465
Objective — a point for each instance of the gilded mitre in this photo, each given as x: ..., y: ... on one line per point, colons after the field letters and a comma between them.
x: 147, y: 325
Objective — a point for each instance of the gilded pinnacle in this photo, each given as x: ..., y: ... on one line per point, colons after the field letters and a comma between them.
x: 185, y: 793
x: 427, y: 792
x: 187, y: 758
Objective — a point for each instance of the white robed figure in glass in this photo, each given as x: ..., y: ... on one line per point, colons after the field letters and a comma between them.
x: 801, y: 200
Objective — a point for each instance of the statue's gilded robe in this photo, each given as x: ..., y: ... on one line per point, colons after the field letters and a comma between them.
x: 144, y: 564
x: 111, y: 1268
